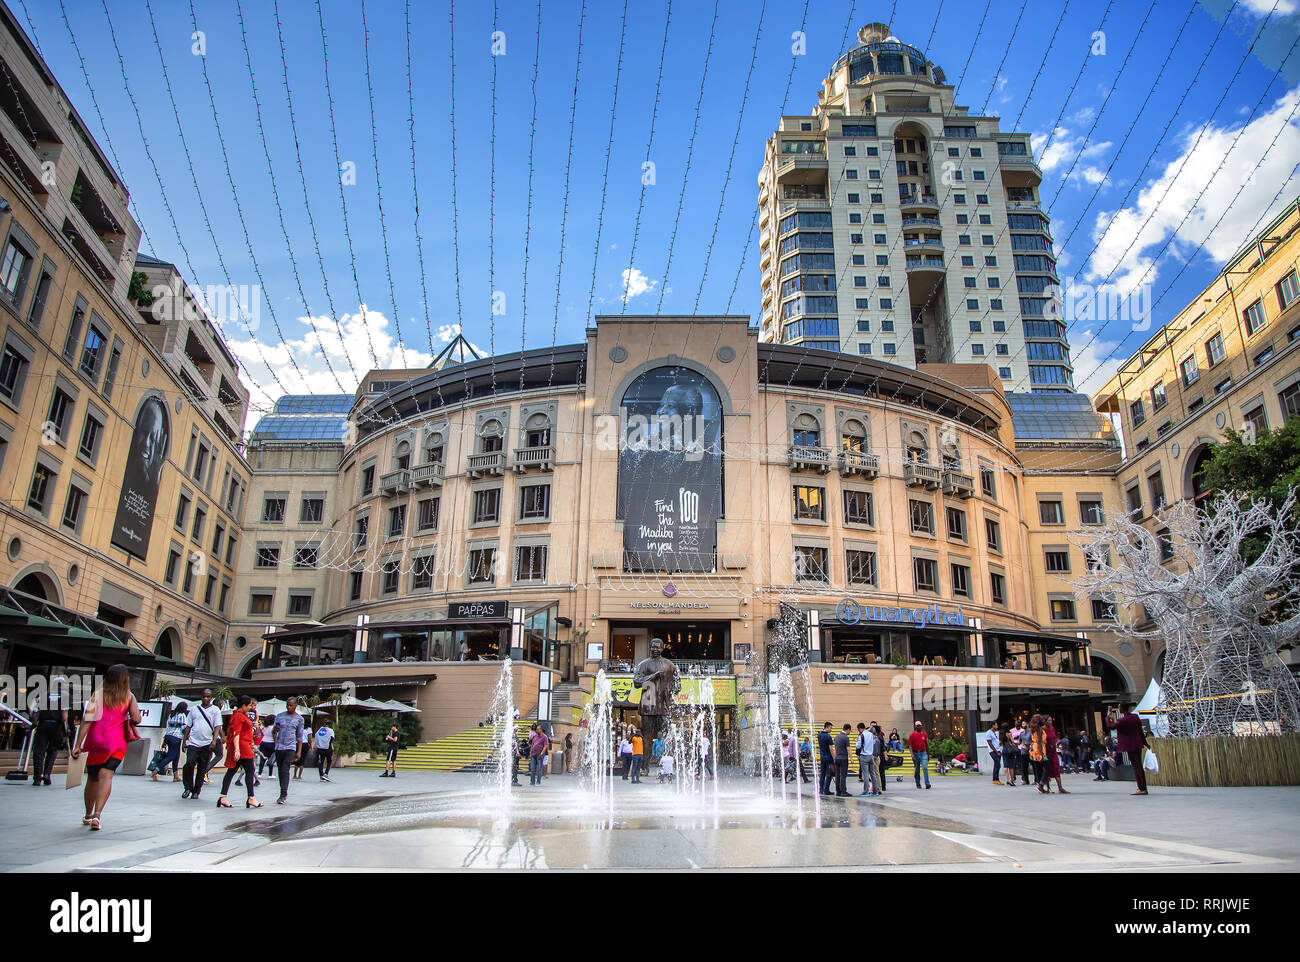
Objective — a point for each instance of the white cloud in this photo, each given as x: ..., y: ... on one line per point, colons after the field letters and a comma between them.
x: 1066, y: 150
x: 1264, y: 7
x: 1094, y: 361
x: 346, y: 346
x: 1128, y: 240
x: 636, y: 283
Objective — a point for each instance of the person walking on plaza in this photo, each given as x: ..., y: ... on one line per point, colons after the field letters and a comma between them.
x: 324, y: 751
x: 267, y: 747
x: 625, y: 753
x: 170, y: 755
x: 919, y: 743
x: 880, y: 755
x: 826, y: 755
x: 1023, y: 738
x: 1083, y: 752
x: 1053, y: 754
x: 239, y: 754
x: 515, y: 755
x: 103, y: 736
x: 568, y: 751
x: 251, y: 711
x: 1010, y: 756
x: 288, y: 744
x: 202, y: 737
x: 392, y: 742
x: 537, y: 748
x: 842, y: 762
x: 638, y: 755
x: 867, y: 761
x: 993, y: 738
x: 1129, y: 741
x: 49, y: 737
x: 305, y: 738
x: 1038, y: 753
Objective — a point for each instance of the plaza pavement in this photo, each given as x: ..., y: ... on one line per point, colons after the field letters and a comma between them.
x: 423, y: 821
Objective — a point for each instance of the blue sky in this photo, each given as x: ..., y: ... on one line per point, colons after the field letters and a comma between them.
x: 1157, y: 193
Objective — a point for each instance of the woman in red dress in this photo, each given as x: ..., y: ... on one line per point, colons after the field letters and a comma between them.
x: 239, y: 753
x: 1053, y: 756
x: 103, y: 737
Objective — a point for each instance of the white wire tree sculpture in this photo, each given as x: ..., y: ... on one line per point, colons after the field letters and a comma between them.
x: 1222, y: 618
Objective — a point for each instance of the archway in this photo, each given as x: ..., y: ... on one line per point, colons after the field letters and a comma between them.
x: 1194, y: 485
x: 1114, y: 679
x: 251, y: 663
x: 206, y: 659
x: 168, y: 644
x: 38, y: 580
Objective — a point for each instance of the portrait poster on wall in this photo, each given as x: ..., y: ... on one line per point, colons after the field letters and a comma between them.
x: 135, y: 507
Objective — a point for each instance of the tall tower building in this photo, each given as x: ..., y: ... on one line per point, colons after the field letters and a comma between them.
x: 896, y: 225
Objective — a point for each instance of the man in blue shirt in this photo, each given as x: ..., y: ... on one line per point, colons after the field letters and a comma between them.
x: 826, y: 753
x: 289, y: 731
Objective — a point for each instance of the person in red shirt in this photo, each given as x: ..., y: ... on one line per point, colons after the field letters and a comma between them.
x: 239, y: 753
x: 1129, y: 740
x: 919, y: 743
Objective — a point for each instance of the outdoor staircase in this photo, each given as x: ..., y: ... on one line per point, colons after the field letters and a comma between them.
x: 9, y: 762
x: 467, y: 751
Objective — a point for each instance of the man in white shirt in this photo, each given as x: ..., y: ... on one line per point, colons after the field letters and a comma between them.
x: 993, y: 738
x: 705, y: 762
x: 324, y: 751
x: 202, y: 737
x: 867, y: 761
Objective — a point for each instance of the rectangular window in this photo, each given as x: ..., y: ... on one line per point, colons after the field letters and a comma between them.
x: 299, y: 604
x: 37, y: 311
x: 1137, y: 413
x: 218, y: 536
x: 858, y: 508
x: 1166, y: 542
x: 232, y: 540
x: 391, y: 574
x: 273, y: 510
x: 427, y: 514
x: 993, y: 534
x: 200, y: 519
x: 1051, y: 512
x: 1288, y: 289
x: 998, y: 588
x: 1134, y: 498
x: 487, y: 506
x: 1214, y: 350
x: 210, y: 590
x: 72, y: 509
x: 860, y: 567
x: 988, y: 483
x: 92, y: 352
x: 397, y: 521
x: 1254, y: 317
x: 422, y: 573
x: 921, y: 516
x: 367, y: 480
x: 1187, y: 368
x: 530, y: 562
x: 73, y: 339
x: 956, y: 524
x: 925, y: 572
x: 13, y: 373
x: 361, y: 534
x: 306, y: 556
x: 268, y: 556
x: 1156, y: 485
x: 1090, y: 512
x: 312, y: 511
x: 354, y: 585
x: 260, y: 602
x: 110, y: 372
x: 1158, y: 399
x: 1256, y: 417
x: 182, y: 513
x: 1057, y: 561
x: 1102, y: 610
x: 809, y: 503
x: 91, y: 431
x: 1062, y: 609
x: 13, y: 270
x: 810, y: 564
x: 1289, y: 399
x: 995, y: 304
x: 173, y: 565
x: 60, y: 413
x: 960, y: 580
x: 482, y: 566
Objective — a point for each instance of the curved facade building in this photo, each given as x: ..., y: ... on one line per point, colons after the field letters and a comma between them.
x: 674, y: 477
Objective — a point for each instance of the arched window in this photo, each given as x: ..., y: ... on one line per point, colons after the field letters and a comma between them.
x: 854, y: 437
x: 492, y: 437
x: 433, y: 448
x: 402, y: 456
x: 1202, y: 460
x: 807, y: 433
x: 918, y: 448
x: 204, y: 660
x: 537, y: 431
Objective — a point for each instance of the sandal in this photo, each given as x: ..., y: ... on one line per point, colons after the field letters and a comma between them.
x: 252, y: 803
x: 222, y: 803
x: 94, y: 824
x: 87, y: 819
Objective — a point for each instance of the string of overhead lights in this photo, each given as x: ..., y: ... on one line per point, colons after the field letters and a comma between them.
x: 528, y: 212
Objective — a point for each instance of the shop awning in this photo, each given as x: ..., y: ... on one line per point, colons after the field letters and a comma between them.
x: 35, y: 623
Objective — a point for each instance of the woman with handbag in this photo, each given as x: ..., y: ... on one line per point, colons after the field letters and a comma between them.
x: 239, y: 753
x: 1038, y: 753
x: 1053, y: 754
x: 108, y: 724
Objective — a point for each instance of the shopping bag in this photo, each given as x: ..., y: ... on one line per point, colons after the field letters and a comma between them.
x: 76, y: 770
x: 1150, y: 762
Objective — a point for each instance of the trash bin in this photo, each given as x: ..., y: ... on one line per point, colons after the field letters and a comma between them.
x: 136, y: 760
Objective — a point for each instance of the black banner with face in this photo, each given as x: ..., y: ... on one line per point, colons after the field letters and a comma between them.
x: 670, y: 471
x: 144, y: 463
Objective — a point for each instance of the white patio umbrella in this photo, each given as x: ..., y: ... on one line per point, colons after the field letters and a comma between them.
x: 395, y: 705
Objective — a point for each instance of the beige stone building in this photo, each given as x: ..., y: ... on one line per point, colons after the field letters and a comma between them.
x: 1229, y: 360
x: 122, y: 478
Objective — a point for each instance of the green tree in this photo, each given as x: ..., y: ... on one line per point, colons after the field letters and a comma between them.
x: 1265, y: 469
x: 137, y: 292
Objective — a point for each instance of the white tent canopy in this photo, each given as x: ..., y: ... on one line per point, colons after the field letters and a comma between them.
x: 1148, y: 709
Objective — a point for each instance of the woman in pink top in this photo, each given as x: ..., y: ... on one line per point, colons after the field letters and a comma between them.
x: 103, y: 737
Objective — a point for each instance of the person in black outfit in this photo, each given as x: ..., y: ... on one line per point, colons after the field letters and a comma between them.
x: 825, y: 751
x: 842, y: 763
x: 880, y: 753
x: 48, y: 739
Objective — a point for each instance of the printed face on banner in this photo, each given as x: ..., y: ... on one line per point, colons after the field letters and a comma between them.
x: 140, y: 478
x: 670, y: 471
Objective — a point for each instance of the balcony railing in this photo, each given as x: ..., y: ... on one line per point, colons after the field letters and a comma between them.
x: 921, y: 222
x: 918, y: 475
x: 958, y: 483
x: 395, y: 481
x: 928, y: 201
x: 430, y: 474
x: 693, y: 666
x: 806, y: 458
x: 542, y: 458
x: 490, y: 462
x: 924, y: 263
x: 859, y: 462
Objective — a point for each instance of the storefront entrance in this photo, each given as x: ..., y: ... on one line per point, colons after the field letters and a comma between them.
x: 694, y: 646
